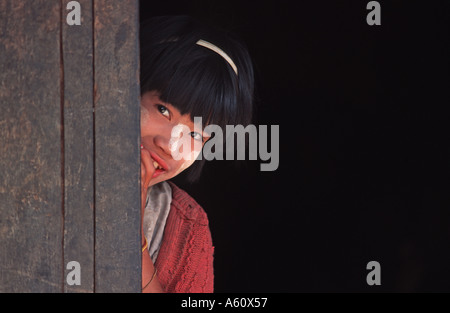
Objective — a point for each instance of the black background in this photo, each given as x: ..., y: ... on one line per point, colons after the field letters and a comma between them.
x: 364, y: 148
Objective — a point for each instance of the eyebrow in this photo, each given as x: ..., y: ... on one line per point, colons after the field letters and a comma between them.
x: 166, y: 104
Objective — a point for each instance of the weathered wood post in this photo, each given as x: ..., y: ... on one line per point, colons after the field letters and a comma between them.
x: 69, y: 146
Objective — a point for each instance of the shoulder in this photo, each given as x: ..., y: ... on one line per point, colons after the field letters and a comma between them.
x: 186, y: 207
x: 185, y: 260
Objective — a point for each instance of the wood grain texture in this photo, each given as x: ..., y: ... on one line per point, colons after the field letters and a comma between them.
x: 117, y: 137
x: 77, y: 46
x: 69, y: 176
x: 30, y: 147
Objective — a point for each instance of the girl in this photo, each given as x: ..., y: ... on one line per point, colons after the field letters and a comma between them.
x: 187, y: 70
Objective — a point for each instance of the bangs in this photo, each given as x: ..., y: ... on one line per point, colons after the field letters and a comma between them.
x: 199, y: 86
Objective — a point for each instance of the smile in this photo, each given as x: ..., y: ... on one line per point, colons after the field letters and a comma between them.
x: 159, y: 165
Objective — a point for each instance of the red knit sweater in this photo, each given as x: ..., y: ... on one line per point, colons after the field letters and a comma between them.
x: 185, y: 258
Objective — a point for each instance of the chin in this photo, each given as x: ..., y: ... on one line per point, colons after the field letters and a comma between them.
x: 159, y: 179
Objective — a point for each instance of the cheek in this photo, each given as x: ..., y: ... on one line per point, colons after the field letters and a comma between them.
x: 184, y: 164
x: 177, y: 139
x: 181, y: 144
x: 145, y: 116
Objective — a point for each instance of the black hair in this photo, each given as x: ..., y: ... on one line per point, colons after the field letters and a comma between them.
x: 195, y: 79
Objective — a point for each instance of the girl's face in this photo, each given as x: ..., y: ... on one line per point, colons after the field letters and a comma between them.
x: 160, y: 125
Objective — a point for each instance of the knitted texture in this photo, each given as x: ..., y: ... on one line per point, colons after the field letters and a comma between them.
x: 185, y: 259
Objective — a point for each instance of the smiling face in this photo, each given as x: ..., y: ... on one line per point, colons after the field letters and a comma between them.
x: 165, y: 131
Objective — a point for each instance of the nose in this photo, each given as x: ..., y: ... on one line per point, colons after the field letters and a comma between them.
x: 162, y: 141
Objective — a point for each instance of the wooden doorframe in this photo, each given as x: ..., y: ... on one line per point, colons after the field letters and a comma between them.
x: 69, y: 134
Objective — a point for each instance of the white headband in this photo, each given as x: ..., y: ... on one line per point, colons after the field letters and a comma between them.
x: 216, y: 49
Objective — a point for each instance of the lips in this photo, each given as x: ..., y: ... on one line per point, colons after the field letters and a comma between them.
x: 159, y: 164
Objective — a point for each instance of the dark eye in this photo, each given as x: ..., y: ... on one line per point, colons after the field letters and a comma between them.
x: 163, y: 110
x: 197, y: 136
